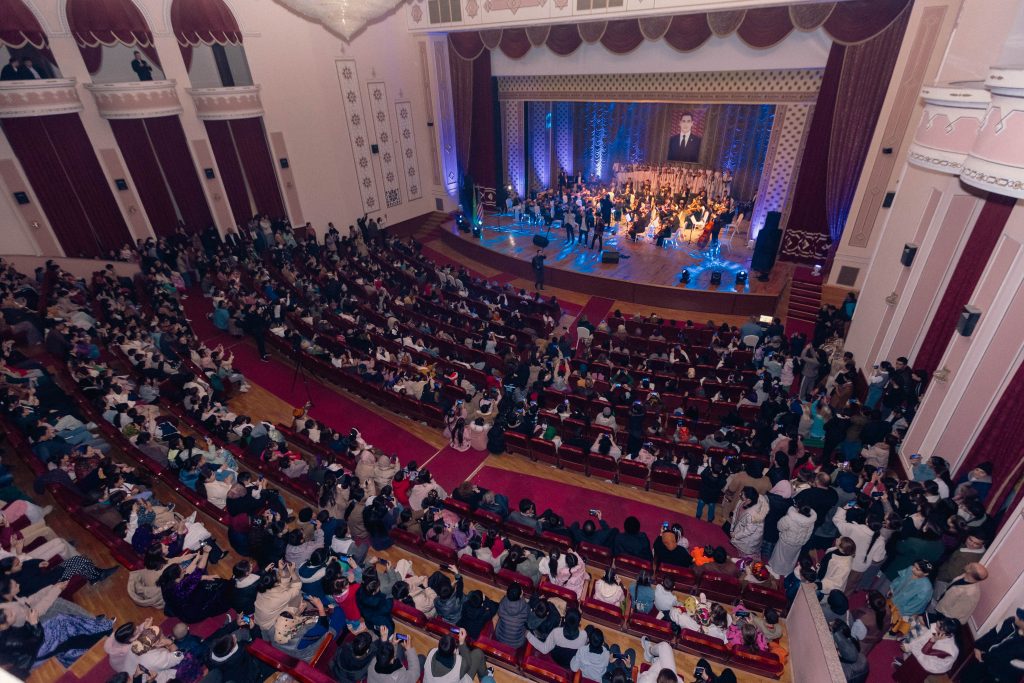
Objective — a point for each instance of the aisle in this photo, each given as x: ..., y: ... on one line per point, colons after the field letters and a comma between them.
x: 575, y: 502
x: 329, y: 405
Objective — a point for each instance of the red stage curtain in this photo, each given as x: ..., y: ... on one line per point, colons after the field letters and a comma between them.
x: 859, y: 20
x: 765, y: 27
x: 483, y: 149
x: 258, y: 164
x: 62, y: 169
x: 688, y: 32
x: 563, y: 39
x: 851, y: 22
x: 231, y: 175
x: 172, y: 150
x: 106, y: 22
x: 966, y: 276
x: 462, y: 104
x: 467, y: 44
x: 851, y: 97
x: 622, y: 36
x: 514, y: 42
x: 133, y: 141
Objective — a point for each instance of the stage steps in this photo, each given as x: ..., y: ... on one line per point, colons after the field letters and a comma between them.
x: 804, y: 302
x: 429, y: 228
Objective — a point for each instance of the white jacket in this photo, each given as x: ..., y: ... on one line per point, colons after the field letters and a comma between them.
x: 748, y: 526
x: 861, y: 535
x: 794, y: 528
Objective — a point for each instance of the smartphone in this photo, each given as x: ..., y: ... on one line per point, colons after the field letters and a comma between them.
x: 444, y: 567
x: 382, y: 561
x: 454, y: 631
x: 593, y: 512
x: 665, y: 526
x: 246, y: 619
x: 401, y: 637
x: 260, y: 478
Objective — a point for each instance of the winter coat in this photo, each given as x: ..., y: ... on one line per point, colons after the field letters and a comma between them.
x: 794, y: 528
x: 511, y: 626
x: 748, y: 526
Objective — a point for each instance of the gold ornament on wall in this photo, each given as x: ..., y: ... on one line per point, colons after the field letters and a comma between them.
x: 892, y: 299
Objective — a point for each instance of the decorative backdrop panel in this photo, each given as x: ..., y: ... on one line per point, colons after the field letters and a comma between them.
x: 358, y: 134
x: 538, y: 144
x: 435, y: 163
x: 781, y: 162
x: 512, y: 139
x: 768, y: 86
x: 407, y: 143
x: 380, y: 113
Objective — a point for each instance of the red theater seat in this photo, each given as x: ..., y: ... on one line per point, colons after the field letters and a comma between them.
x: 703, y: 645
x: 719, y: 587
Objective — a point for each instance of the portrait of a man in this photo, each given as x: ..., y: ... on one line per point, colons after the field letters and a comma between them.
x: 684, y: 145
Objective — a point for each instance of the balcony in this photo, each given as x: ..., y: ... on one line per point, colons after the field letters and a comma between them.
x: 218, y: 104
x: 137, y: 100
x: 39, y: 97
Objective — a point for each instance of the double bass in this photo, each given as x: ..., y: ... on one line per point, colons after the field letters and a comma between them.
x: 716, y: 209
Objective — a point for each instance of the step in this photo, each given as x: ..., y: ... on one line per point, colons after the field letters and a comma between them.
x: 797, y: 287
x: 797, y: 297
x: 808, y: 310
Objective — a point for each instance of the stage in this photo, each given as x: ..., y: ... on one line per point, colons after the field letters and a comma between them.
x: 650, y: 275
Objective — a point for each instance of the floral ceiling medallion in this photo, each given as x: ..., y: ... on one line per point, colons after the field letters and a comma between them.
x: 344, y: 18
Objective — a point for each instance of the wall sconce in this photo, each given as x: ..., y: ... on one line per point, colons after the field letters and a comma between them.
x: 941, y: 375
x: 892, y: 299
x: 35, y: 225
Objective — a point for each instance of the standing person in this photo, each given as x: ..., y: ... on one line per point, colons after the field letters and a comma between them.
x: 10, y: 70
x: 598, y: 237
x: 998, y: 653
x: 142, y: 68
x: 538, y: 269
x: 809, y: 373
x: 255, y: 324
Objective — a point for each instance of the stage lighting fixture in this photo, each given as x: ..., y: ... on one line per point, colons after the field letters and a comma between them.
x: 741, y: 277
x: 716, y: 277
x: 684, y: 277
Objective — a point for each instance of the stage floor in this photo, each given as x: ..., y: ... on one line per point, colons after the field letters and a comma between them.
x: 642, y: 261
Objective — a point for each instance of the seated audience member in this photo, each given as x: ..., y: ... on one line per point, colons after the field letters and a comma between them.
x: 935, y: 647
x: 632, y: 541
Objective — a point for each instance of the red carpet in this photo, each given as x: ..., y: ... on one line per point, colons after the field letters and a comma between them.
x: 881, y: 656
x: 450, y: 467
x: 438, y: 257
x: 596, y: 310
x: 574, y: 502
x: 332, y: 408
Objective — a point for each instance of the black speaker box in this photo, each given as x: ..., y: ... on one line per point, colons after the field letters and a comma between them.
x: 540, y: 241
x: 716, y: 277
x: 967, y: 321
x: 767, y: 246
x: 909, y: 252
x: 609, y: 256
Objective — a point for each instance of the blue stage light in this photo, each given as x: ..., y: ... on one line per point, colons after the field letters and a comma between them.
x: 741, y: 277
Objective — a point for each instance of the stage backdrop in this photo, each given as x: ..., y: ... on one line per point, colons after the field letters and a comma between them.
x: 731, y: 137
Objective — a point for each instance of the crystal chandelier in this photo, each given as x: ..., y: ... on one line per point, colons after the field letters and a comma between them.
x: 345, y: 18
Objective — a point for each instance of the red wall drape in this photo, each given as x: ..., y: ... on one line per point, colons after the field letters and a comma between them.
x: 65, y: 175
x: 202, y: 22
x: 172, y: 150
x: 133, y: 141
x: 231, y: 174
x: 483, y: 145
x: 999, y: 442
x: 984, y: 235
x: 258, y: 164
x: 20, y: 29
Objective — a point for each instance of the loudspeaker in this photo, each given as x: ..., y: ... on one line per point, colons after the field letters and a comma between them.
x: 887, y: 201
x: 716, y: 277
x: 967, y: 321
x: 767, y: 245
x: 209, y: 173
x: 284, y: 163
x: 608, y: 256
x: 909, y: 252
x: 374, y: 149
x: 540, y: 241
x: 21, y: 197
x: 120, y: 184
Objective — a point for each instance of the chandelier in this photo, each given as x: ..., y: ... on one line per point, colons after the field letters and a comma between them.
x: 344, y: 18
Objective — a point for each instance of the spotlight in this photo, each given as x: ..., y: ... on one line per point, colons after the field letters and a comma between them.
x: 684, y: 277
x: 716, y: 277
x: 741, y: 277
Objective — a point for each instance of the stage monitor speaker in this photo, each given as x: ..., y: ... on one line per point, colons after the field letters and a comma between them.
x: 767, y: 246
x: 540, y: 241
x: 609, y: 256
x: 968, y: 320
x: 909, y: 252
x: 716, y: 277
